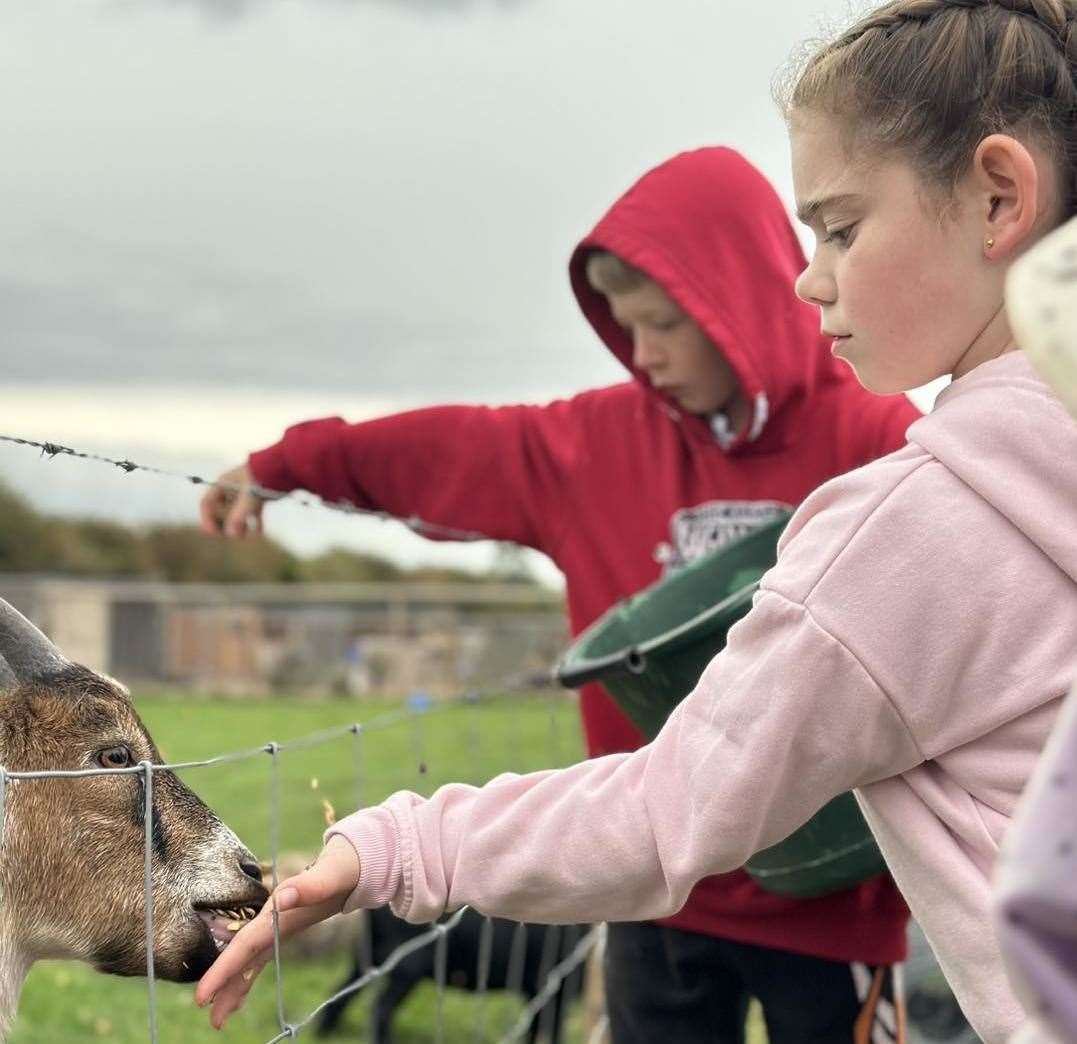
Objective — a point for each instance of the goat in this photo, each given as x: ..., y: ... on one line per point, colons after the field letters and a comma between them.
x: 514, y: 962
x: 72, y: 850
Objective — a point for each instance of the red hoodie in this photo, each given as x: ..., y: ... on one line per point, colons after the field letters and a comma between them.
x: 616, y: 483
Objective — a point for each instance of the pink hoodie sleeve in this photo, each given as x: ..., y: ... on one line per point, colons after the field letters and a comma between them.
x: 628, y: 835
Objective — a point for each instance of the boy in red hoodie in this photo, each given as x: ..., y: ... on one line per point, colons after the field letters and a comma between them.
x: 735, y: 411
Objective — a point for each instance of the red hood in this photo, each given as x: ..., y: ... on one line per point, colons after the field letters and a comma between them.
x: 711, y: 231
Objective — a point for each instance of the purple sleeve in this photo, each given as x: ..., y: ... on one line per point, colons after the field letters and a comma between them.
x: 1036, y: 888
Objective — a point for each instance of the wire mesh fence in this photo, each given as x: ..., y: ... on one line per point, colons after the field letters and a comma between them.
x: 556, y: 965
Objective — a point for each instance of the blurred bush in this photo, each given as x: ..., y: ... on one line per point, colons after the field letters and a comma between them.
x: 31, y: 542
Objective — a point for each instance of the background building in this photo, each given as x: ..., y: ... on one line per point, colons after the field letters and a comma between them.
x: 349, y: 639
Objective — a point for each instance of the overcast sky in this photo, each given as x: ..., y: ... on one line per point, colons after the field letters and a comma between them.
x: 225, y: 215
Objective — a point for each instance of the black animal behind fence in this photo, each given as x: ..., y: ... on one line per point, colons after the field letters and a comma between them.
x: 481, y: 954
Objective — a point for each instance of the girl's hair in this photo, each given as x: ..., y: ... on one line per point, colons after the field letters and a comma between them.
x: 932, y: 78
x: 608, y: 274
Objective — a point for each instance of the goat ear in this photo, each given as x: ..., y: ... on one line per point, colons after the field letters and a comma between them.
x: 29, y: 655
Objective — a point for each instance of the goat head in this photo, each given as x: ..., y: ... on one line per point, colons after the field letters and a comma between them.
x: 72, y: 854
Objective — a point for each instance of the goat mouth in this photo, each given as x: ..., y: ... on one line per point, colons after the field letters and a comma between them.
x: 222, y: 922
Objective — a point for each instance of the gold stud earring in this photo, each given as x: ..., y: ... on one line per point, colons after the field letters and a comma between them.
x: 990, y: 242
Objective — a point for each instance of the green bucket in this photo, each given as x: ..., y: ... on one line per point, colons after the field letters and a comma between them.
x: 649, y: 652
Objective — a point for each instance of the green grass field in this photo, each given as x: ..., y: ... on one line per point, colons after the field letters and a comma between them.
x: 68, y: 1003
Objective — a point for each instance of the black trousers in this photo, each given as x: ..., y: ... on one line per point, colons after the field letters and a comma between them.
x: 665, y: 986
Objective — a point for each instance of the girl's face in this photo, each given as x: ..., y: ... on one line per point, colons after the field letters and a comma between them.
x: 906, y: 291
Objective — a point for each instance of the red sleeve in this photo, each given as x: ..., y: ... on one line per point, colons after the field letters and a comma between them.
x: 497, y: 471
x: 892, y: 416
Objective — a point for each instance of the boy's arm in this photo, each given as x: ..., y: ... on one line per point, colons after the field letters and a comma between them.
x: 496, y: 471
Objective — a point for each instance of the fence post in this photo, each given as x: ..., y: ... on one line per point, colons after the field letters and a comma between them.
x: 147, y: 890
x: 273, y: 750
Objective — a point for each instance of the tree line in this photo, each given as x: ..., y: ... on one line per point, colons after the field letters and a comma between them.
x: 32, y: 542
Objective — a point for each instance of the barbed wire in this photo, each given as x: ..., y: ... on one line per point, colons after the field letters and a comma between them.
x: 437, y: 935
x: 416, y: 524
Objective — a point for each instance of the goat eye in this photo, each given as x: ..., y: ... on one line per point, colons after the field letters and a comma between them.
x: 114, y: 757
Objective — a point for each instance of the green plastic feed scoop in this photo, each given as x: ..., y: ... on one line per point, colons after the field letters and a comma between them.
x: 649, y: 652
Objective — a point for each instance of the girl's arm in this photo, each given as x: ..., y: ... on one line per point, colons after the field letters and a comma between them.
x: 760, y: 746
x: 781, y: 722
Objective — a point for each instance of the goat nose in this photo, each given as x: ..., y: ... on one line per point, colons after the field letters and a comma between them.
x: 252, y: 870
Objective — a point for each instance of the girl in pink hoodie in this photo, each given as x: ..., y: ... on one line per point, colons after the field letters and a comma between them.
x: 915, y: 639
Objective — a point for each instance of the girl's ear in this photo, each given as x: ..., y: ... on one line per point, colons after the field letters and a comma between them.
x: 1009, y: 185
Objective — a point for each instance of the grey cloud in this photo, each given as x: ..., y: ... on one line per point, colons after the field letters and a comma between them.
x: 232, y: 9
x: 120, y: 314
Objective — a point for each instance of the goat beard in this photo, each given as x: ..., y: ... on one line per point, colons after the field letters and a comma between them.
x: 187, y: 961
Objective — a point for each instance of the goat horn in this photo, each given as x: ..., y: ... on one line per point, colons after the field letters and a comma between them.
x: 7, y: 676
x: 29, y: 655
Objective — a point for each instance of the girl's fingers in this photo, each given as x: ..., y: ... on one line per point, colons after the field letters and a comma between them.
x: 230, y: 979
x: 253, y: 941
x: 252, y: 946
x: 309, y: 897
x: 231, y: 996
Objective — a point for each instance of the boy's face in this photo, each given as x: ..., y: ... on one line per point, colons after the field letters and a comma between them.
x: 674, y: 353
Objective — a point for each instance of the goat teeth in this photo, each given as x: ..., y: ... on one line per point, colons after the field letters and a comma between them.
x: 234, y: 926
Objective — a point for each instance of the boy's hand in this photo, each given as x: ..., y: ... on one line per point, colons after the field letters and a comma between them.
x: 230, y: 512
x: 312, y: 896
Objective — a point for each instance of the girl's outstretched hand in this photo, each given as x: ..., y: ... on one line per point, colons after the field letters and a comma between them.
x: 312, y: 896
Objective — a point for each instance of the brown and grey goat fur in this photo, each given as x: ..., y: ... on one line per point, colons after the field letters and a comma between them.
x: 72, y: 850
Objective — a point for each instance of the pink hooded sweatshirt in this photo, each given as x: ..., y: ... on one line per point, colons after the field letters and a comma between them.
x: 913, y: 643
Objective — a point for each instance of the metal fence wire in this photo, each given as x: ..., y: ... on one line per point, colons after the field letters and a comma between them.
x: 437, y: 935
x: 416, y: 524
